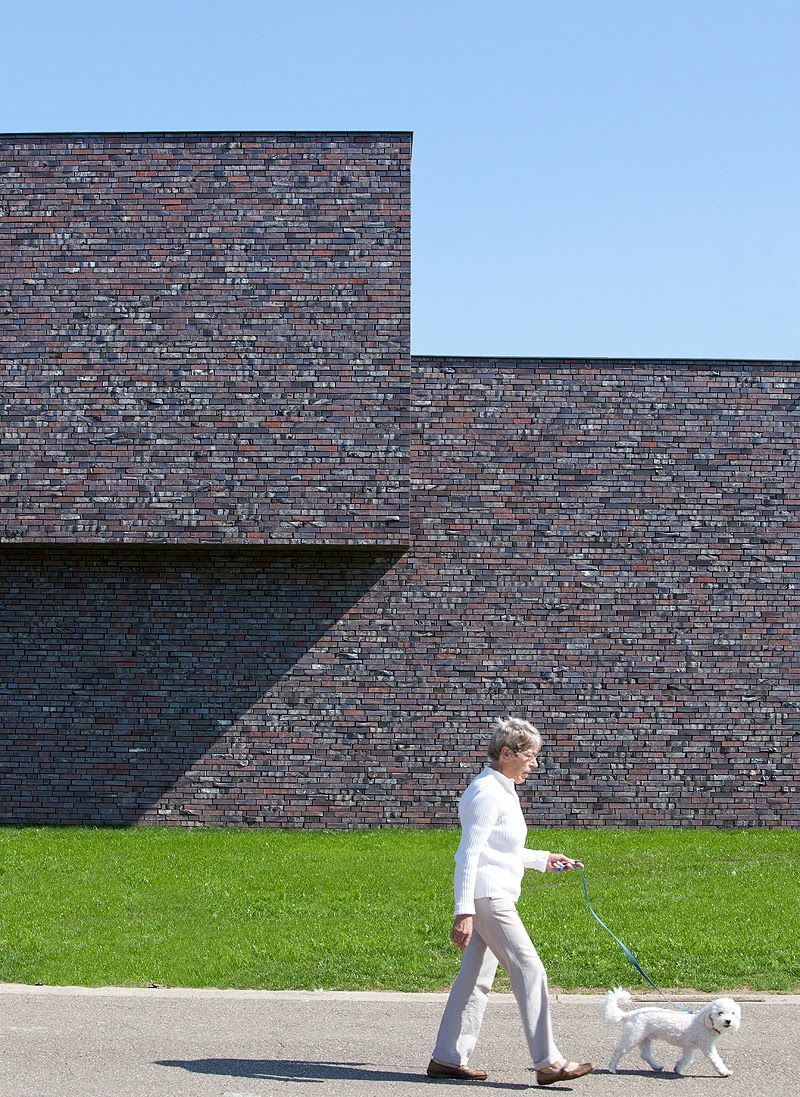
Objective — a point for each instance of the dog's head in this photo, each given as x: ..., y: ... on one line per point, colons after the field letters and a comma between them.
x: 722, y: 1015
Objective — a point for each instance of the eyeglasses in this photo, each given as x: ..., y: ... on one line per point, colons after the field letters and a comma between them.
x: 526, y: 755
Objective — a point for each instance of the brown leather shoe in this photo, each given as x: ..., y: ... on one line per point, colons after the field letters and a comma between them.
x: 564, y: 1073
x: 447, y: 1070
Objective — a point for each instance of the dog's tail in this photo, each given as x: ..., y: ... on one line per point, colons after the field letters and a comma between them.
x: 614, y: 999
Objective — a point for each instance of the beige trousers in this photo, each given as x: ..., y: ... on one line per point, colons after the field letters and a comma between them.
x: 497, y: 935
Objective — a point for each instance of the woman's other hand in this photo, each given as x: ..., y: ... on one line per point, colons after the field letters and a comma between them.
x: 461, y: 931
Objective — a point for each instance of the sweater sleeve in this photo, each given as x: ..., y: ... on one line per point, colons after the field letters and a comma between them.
x: 535, y: 858
x: 478, y: 817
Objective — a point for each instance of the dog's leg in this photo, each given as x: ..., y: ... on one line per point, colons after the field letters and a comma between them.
x: 646, y: 1052
x: 683, y: 1062
x: 626, y: 1041
x: 616, y: 1055
x: 717, y: 1062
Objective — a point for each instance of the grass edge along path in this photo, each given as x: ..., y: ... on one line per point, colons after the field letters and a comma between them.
x: 706, y: 909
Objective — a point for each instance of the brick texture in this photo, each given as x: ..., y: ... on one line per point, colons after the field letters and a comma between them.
x: 205, y: 337
x: 260, y: 567
x: 192, y: 685
x: 609, y: 548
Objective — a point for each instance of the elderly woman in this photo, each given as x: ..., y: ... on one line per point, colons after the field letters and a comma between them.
x: 490, y: 861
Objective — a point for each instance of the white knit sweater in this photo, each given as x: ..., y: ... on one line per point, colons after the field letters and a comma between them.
x: 491, y: 855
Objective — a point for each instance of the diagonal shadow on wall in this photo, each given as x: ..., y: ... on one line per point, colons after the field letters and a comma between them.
x: 122, y: 664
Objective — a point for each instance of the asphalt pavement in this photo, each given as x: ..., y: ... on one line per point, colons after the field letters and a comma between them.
x: 160, y: 1042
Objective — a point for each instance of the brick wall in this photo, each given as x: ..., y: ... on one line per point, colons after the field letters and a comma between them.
x: 205, y: 337
x: 609, y: 548
x: 191, y: 684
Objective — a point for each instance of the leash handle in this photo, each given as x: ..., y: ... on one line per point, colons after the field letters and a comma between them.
x: 625, y: 948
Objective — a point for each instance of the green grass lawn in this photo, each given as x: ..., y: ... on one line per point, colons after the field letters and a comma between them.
x: 701, y: 909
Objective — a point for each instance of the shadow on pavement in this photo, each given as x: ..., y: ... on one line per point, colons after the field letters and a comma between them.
x: 665, y: 1075
x: 298, y: 1070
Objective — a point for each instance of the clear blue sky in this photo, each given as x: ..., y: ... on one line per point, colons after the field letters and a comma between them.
x: 590, y: 177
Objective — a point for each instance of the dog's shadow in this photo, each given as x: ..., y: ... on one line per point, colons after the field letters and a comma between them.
x: 302, y: 1070
x: 665, y: 1075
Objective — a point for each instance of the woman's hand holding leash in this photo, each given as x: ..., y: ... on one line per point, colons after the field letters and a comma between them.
x: 557, y: 862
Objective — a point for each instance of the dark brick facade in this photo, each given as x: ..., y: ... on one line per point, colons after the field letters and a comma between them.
x: 609, y: 548
x: 192, y: 684
x: 205, y: 337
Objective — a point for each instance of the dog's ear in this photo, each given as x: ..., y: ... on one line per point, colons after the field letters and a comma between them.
x: 707, y: 1012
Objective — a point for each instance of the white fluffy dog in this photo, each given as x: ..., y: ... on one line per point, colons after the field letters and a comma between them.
x: 691, y: 1031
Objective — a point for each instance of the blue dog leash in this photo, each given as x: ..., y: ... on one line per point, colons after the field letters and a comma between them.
x: 579, y: 869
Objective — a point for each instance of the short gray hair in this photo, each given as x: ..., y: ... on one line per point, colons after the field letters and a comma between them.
x: 514, y: 733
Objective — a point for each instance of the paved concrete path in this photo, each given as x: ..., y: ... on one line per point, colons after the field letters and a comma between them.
x: 73, y: 1042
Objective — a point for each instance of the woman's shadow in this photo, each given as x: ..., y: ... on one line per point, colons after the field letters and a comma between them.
x: 299, y: 1070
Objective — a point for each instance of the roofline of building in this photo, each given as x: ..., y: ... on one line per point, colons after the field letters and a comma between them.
x: 234, y: 134
x: 689, y: 363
